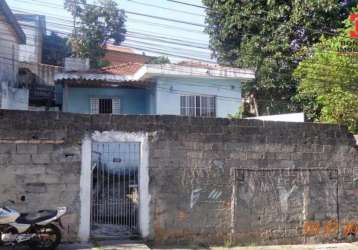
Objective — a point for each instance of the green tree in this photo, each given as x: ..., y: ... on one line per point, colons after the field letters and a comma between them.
x: 328, y: 81
x: 96, y: 25
x: 54, y: 49
x: 264, y: 35
x: 159, y: 60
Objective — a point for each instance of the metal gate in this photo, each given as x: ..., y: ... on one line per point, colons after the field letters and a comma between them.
x: 115, y: 195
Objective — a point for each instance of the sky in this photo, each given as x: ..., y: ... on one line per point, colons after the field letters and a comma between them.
x: 175, y: 34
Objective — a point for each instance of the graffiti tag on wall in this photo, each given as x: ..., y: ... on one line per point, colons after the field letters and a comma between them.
x: 330, y: 228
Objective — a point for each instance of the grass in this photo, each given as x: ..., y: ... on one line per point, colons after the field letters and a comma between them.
x: 96, y: 245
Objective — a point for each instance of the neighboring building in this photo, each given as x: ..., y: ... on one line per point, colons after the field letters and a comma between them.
x: 30, y: 54
x: 12, y: 36
x: 133, y: 88
x: 118, y: 54
x: 33, y: 75
x: 34, y: 27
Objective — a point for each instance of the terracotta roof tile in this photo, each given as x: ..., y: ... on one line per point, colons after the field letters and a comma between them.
x: 121, y: 69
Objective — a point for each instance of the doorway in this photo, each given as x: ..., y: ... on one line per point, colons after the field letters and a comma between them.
x: 115, y: 189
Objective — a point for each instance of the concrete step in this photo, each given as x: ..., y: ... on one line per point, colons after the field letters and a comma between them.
x: 120, y: 245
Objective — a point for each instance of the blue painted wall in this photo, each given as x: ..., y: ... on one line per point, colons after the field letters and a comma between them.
x: 169, y: 90
x: 132, y: 101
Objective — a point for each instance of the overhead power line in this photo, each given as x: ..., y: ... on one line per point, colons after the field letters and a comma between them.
x: 170, y: 51
x: 138, y: 35
x: 56, y: 6
x: 133, y: 36
x: 142, y: 14
x: 185, y: 22
x: 166, y: 19
x: 70, y: 21
x: 130, y: 38
x: 165, y: 8
x: 166, y: 26
x: 183, y: 40
x: 160, y: 50
x: 165, y: 50
x: 163, y: 39
x: 188, y: 4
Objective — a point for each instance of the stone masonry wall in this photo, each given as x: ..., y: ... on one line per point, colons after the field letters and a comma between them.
x: 211, y: 180
x: 254, y: 182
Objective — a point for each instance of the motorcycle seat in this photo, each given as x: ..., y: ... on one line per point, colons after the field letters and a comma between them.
x: 33, y: 218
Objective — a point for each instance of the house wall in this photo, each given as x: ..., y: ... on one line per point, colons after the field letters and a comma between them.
x: 169, y: 91
x: 132, y: 101
x: 9, y: 51
x: 210, y: 180
x: 151, y: 101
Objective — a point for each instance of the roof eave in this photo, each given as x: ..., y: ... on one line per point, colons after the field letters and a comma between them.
x: 93, y: 76
x: 185, y: 71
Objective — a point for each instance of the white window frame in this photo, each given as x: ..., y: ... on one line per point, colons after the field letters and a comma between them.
x: 94, y: 104
x: 198, y: 105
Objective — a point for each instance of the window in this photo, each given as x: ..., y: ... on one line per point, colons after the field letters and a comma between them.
x: 105, y: 105
x: 198, y: 106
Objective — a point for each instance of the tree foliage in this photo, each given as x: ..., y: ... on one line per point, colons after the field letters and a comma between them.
x: 159, y: 60
x: 54, y: 49
x: 328, y: 81
x: 264, y: 35
x: 95, y: 25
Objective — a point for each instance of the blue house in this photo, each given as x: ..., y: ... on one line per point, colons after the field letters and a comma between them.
x: 189, y: 89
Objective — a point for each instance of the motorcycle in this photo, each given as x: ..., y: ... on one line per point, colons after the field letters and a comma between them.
x: 37, y: 230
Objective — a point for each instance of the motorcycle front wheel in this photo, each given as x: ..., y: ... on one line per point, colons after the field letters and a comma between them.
x: 48, y: 237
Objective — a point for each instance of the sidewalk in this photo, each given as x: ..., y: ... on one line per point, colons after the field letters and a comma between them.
x: 138, y: 246
x: 108, y: 245
x: 115, y: 245
x: 105, y: 245
x: 340, y: 246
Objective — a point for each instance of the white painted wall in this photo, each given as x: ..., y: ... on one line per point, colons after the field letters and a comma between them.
x: 14, y: 98
x: 169, y: 90
x: 85, y: 183
x: 9, y: 53
x: 85, y: 190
